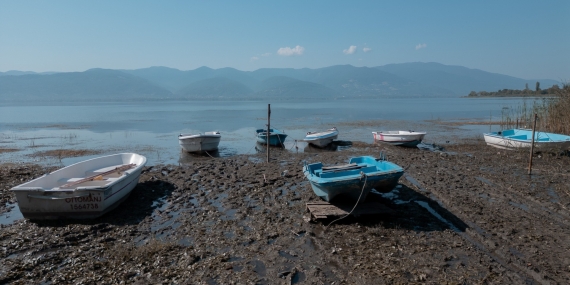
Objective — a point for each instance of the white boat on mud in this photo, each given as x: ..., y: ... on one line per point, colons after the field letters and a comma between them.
x: 207, y: 141
x: 84, y: 190
x: 522, y: 138
x: 322, y: 139
x: 403, y: 138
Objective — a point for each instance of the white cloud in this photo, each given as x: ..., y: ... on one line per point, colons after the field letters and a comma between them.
x: 366, y: 49
x: 266, y: 54
x: 420, y: 46
x: 350, y: 50
x: 255, y: 58
x: 287, y: 51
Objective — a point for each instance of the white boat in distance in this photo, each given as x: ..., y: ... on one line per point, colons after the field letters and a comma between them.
x: 322, y: 139
x: 207, y: 141
x: 87, y: 189
x: 403, y: 138
x: 522, y: 138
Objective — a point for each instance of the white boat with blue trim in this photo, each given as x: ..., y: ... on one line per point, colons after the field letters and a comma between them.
x: 322, y: 139
x: 84, y: 190
x: 522, y: 138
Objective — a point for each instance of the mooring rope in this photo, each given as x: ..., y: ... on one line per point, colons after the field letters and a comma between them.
x: 361, y: 192
x: 208, y: 154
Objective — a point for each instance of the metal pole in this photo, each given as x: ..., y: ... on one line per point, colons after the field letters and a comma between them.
x: 532, y: 145
x: 268, y: 127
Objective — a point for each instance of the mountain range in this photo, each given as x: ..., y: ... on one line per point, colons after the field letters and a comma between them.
x: 341, y: 81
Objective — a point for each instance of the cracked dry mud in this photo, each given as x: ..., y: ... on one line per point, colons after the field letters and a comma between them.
x: 470, y: 215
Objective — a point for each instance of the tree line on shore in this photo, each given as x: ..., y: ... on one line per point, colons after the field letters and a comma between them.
x: 526, y: 92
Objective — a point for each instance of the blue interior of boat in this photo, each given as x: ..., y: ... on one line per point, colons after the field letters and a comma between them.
x: 366, y: 164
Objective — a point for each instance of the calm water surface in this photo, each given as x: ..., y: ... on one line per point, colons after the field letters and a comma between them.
x: 151, y: 127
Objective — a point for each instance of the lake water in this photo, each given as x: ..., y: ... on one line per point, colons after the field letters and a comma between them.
x: 151, y: 127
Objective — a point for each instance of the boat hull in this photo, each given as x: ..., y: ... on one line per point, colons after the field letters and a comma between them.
x: 355, y: 184
x: 517, y: 138
x: 44, y: 198
x: 322, y: 139
x: 276, y: 137
x: 401, y: 138
x: 199, y: 143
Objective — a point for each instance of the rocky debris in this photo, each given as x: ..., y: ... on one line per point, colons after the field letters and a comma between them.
x: 469, y: 214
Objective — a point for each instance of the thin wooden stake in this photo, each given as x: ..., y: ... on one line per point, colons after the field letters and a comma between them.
x: 268, y: 127
x: 532, y: 145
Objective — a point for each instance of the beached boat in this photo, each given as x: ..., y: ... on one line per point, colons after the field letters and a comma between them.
x: 322, y: 139
x: 207, y: 141
x: 403, y: 138
x: 86, y: 189
x: 276, y: 137
x: 522, y: 138
x: 354, y: 179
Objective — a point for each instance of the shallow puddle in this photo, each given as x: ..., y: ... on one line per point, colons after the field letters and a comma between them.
x: 12, y: 215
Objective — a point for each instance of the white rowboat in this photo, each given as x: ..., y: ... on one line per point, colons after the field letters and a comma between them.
x: 87, y: 189
x: 403, y: 138
x: 207, y: 141
x: 322, y: 139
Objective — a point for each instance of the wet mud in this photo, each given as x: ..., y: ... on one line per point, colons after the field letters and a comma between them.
x: 463, y: 214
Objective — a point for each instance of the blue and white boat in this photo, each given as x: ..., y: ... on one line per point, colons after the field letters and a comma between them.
x: 522, y: 138
x: 355, y: 179
x: 322, y: 139
x: 276, y: 137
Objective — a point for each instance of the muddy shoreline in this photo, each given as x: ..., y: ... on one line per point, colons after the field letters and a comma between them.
x: 467, y: 215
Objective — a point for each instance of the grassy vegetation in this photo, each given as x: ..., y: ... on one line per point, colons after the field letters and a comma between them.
x: 553, y: 114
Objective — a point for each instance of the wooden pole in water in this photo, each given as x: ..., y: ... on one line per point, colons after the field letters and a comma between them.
x: 532, y: 145
x: 268, y: 127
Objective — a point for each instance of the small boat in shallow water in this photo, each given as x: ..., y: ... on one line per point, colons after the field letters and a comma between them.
x: 87, y: 189
x: 522, y: 138
x: 322, y: 139
x: 276, y: 137
x: 353, y: 180
x: 403, y: 138
x: 207, y: 141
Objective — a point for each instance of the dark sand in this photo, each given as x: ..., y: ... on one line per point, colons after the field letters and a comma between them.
x: 469, y: 215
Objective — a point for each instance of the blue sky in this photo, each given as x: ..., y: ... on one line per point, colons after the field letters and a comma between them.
x: 527, y: 39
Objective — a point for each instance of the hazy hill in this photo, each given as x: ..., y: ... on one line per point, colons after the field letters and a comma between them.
x: 174, y: 79
x: 93, y: 84
x: 218, y: 87
x: 286, y: 87
x: 16, y: 72
x: 340, y: 81
x: 458, y: 79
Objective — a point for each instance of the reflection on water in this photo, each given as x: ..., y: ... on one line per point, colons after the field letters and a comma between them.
x: 151, y: 128
x: 189, y: 157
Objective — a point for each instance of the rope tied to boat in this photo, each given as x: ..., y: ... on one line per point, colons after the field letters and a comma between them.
x: 362, y: 175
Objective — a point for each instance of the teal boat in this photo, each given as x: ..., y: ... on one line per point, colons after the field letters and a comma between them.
x: 276, y: 137
x: 522, y: 138
x: 355, y: 179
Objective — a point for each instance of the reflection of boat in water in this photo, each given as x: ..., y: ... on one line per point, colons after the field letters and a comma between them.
x: 334, y: 146
x: 261, y: 147
x: 187, y: 157
x: 322, y: 139
x: 310, y: 148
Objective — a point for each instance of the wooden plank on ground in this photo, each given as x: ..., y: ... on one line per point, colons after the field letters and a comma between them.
x: 323, y: 210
